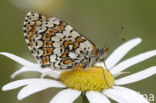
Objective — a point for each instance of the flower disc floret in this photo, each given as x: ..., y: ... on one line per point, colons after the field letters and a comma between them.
x: 91, y: 78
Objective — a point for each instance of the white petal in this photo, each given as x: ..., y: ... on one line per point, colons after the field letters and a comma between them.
x: 120, y: 52
x: 97, y: 97
x: 38, y: 86
x: 30, y: 67
x: 20, y: 60
x: 66, y: 96
x: 100, y: 64
x: 133, y: 95
x: 131, y: 61
x: 44, y: 72
x: 124, y: 95
x: 51, y: 73
x: 33, y: 81
x: 117, y: 96
x: 25, y: 69
x: 16, y: 84
x: 137, y: 76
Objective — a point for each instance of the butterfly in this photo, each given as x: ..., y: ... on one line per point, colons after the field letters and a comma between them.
x: 55, y: 44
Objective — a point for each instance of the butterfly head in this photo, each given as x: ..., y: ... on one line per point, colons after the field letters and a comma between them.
x: 101, y: 54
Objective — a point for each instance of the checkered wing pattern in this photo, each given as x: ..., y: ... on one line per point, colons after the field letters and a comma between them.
x: 56, y: 44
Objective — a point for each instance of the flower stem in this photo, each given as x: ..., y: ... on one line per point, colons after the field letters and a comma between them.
x: 84, y: 99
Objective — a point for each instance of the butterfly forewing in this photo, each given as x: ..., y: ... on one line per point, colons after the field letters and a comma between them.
x: 56, y: 44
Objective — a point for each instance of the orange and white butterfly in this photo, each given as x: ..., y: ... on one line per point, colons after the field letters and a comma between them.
x: 57, y: 45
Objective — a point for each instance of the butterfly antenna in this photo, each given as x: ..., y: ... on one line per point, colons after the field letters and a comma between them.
x: 113, y: 36
x: 106, y: 49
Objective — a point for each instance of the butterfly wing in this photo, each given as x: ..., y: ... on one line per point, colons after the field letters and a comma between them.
x: 31, y: 23
x: 56, y: 44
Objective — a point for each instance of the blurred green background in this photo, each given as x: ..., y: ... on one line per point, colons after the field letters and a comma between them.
x: 96, y: 19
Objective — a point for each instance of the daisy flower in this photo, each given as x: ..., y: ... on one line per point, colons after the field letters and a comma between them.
x: 97, y: 83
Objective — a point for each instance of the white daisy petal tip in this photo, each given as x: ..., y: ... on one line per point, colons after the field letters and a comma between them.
x: 22, y: 70
x: 12, y: 85
x: 134, y: 96
x: 4, y: 88
x: 121, y: 51
x: 138, y: 39
x: 20, y: 60
x: 124, y: 95
x: 32, y: 86
x: 138, y: 76
x: 132, y: 61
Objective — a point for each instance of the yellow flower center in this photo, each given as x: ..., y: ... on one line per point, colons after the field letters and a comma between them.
x: 92, y: 78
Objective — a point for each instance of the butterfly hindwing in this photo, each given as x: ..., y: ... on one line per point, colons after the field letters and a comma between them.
x: 31, y: 23
x: 56, y: 44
